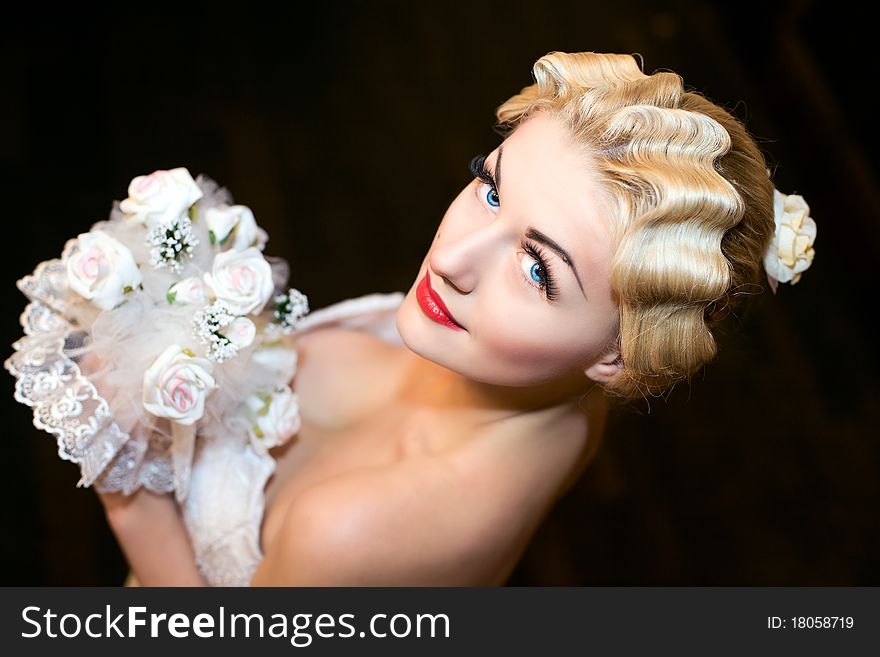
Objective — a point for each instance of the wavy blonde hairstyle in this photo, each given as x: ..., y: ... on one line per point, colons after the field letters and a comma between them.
x: 692, y: 200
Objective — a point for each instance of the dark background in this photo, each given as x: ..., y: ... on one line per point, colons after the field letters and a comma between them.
x: 348, y: 127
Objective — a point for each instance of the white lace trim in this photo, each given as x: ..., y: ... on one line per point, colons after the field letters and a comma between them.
x: 67, y: 405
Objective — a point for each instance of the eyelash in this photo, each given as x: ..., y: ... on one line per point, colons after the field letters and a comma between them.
x: 478, y: 170
x: 536, y: 252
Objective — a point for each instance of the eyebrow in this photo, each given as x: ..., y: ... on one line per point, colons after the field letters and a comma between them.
x: 538, y: 236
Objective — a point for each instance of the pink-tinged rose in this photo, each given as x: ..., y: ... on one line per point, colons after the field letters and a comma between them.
x: 177, y: 384
x: 242, y: 279
x: 241, y: 332
x: 235, y: 226
x: 101, y: 269
x: 274, y: 417
x: 187, y: 291
x: 161, y: 196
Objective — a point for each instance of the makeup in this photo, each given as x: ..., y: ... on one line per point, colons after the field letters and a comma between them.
x: 433, y: 306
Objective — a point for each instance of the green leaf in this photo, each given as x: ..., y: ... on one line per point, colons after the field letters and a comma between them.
x: 212, y: 237
x: 192, y: 214
x: 267, y: 402
x: 265, y: 410
x: 171, y: 296
x: 127, y: 289
x: 226, y: 239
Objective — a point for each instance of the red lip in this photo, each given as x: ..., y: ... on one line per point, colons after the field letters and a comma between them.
x: 433, y: 305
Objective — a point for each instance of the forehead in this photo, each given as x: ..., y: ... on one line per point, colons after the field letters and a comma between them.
x: 542, y: 149
x: 552, y: 184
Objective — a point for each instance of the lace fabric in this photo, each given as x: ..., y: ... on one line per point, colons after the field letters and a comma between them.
x: 67, y: 405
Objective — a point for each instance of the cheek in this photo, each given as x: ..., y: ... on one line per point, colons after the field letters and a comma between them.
x: 519, y: 352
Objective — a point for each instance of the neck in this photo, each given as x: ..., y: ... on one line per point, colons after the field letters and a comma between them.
x: 430, y: 386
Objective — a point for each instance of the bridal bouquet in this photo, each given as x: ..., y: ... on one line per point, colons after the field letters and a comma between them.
x: 160, y: 327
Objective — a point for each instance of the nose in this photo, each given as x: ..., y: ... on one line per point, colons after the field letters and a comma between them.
x: 461, y: 260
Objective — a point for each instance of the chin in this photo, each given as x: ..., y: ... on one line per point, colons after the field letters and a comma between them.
x: 423, y: 336
x: 414, y: 328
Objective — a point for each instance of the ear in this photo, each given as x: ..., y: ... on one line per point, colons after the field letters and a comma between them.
x: 606, y: 368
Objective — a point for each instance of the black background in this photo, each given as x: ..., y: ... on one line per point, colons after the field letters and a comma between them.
x: 347, y: 128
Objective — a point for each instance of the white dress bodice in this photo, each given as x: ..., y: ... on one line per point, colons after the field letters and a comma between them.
x: 223, y: 512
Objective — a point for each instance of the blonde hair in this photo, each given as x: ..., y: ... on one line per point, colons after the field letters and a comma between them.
x: 692, y: 200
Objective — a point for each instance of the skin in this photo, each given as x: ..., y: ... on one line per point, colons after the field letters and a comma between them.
x: 519, y: 350
x: 434, y: 463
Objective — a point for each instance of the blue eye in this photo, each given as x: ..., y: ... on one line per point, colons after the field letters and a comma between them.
x: 480, y: 172
x: 536, y: 269
x: 533, y: 267
x: 537, y: 273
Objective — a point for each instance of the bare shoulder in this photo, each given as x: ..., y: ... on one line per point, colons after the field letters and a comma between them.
x: 336, y: 374
x: 420, y: 521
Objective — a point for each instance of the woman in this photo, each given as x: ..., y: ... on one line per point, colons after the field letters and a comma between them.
x: 589, y: 260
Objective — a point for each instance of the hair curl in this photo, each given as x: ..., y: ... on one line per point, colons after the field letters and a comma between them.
x: 692, y: 200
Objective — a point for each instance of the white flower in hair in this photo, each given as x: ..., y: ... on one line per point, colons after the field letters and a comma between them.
x: 235, y: 222
x: 791, y: 251
x: 102, y: 269
x: 160, y: 197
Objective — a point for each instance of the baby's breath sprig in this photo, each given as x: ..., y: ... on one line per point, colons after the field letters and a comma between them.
x: 207, y: 324
x: 171, y: 241
x: 290, y: 308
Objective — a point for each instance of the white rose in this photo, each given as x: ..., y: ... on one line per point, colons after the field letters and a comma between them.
x: 187, y: 291
x: 176, y: 385
x: 242, y: 279
x: 236, y: 221
x: 274, y: 416
x: 102, y: 269
x: 161, y: 196
x: 248, y: 233
x: 791, y: 251
x: 221, y: 221
x: 241, y: 332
